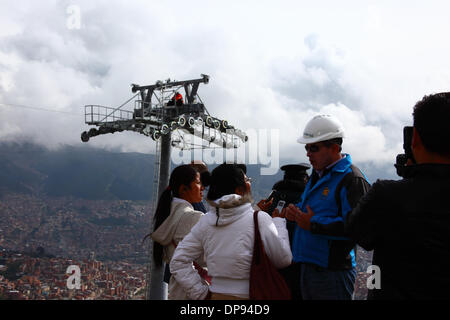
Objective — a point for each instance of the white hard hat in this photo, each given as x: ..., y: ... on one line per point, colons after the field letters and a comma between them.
x: 320, y: 128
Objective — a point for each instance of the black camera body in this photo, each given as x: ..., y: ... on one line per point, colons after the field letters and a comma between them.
x: 290, y: 189
x: 402, y: 159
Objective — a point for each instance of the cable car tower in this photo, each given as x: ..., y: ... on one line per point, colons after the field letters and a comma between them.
x: 159, y: 111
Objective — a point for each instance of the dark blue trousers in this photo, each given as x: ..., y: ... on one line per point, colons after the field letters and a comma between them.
x: 317, y: 283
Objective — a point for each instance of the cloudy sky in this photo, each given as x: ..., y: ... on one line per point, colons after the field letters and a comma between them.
x: 272, y: 65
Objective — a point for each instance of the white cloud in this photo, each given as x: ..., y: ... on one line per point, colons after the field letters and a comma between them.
x: 272, y: 65
x: 365, y: 142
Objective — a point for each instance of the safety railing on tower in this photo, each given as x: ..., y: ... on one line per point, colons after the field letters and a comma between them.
x: 96, y: 114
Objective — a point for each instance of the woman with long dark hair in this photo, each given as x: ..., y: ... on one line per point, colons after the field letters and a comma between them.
x: 225, y: 237
x: 174, y: 218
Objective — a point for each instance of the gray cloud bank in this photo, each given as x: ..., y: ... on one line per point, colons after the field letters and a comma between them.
x: 259, y: 79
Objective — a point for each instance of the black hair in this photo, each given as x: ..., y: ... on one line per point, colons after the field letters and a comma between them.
x: 330, y: 142
x: 205, y: 178
x: 181, y: 175
x: 431, y: 116
x: 225, y: 179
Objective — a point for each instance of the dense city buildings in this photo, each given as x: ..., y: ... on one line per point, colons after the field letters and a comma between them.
x: 41, y: 237
x: 23, y: 277
x: 363, y: 262
x: 68, y: 227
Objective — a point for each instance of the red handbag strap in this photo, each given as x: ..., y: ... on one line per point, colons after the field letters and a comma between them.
x: 265, y: 281
x: 258, y: 246
x: 255, y: 220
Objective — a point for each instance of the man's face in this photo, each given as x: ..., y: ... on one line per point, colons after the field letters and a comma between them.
x: 320, y: 155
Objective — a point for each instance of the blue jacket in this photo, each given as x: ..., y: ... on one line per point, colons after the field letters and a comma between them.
x: 330, y: 198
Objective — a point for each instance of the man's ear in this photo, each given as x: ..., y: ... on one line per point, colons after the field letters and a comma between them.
x: 337, y: 148
x: 334, y: 148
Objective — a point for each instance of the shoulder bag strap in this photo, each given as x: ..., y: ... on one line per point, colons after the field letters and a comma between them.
x: 258, y: 246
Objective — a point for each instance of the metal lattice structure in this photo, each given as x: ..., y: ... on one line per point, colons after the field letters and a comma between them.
x: 155, y: 112
x: 154, y: 115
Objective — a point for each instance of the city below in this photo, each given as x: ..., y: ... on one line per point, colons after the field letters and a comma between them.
x: 41, y: 237
x: 29, y: 278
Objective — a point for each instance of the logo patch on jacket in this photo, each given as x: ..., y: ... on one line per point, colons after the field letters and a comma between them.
x: 325, y: 192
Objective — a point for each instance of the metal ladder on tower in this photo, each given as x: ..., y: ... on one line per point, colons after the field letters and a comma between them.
x: 156, y: 175
x: 154, y: 203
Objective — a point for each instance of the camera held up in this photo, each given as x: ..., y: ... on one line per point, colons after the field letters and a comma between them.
x: 402, y: 159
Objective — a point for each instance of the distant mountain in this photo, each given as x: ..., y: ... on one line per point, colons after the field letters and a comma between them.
x: 96, y: 174
x: 81, y: 172
x: 89, y: 173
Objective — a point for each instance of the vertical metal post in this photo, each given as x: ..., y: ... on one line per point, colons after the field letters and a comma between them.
x: 157, y: 288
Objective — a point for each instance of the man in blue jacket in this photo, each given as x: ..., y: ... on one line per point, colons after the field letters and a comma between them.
x: 327, y: 257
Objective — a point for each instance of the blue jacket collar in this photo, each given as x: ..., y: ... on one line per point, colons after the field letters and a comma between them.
x: 341, y: 166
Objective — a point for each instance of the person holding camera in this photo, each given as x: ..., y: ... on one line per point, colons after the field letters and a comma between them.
x: 407, y: 222
x: 326, y: 256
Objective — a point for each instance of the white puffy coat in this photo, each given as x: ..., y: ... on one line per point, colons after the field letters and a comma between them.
x: 226, y: 239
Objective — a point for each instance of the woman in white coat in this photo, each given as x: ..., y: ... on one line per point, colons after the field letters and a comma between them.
x: 175, y: 217
x: 225, y: 237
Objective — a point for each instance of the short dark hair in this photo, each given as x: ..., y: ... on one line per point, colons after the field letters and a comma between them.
x: 337, y: 141
x: 431, y: 117
x: 225, y: 179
